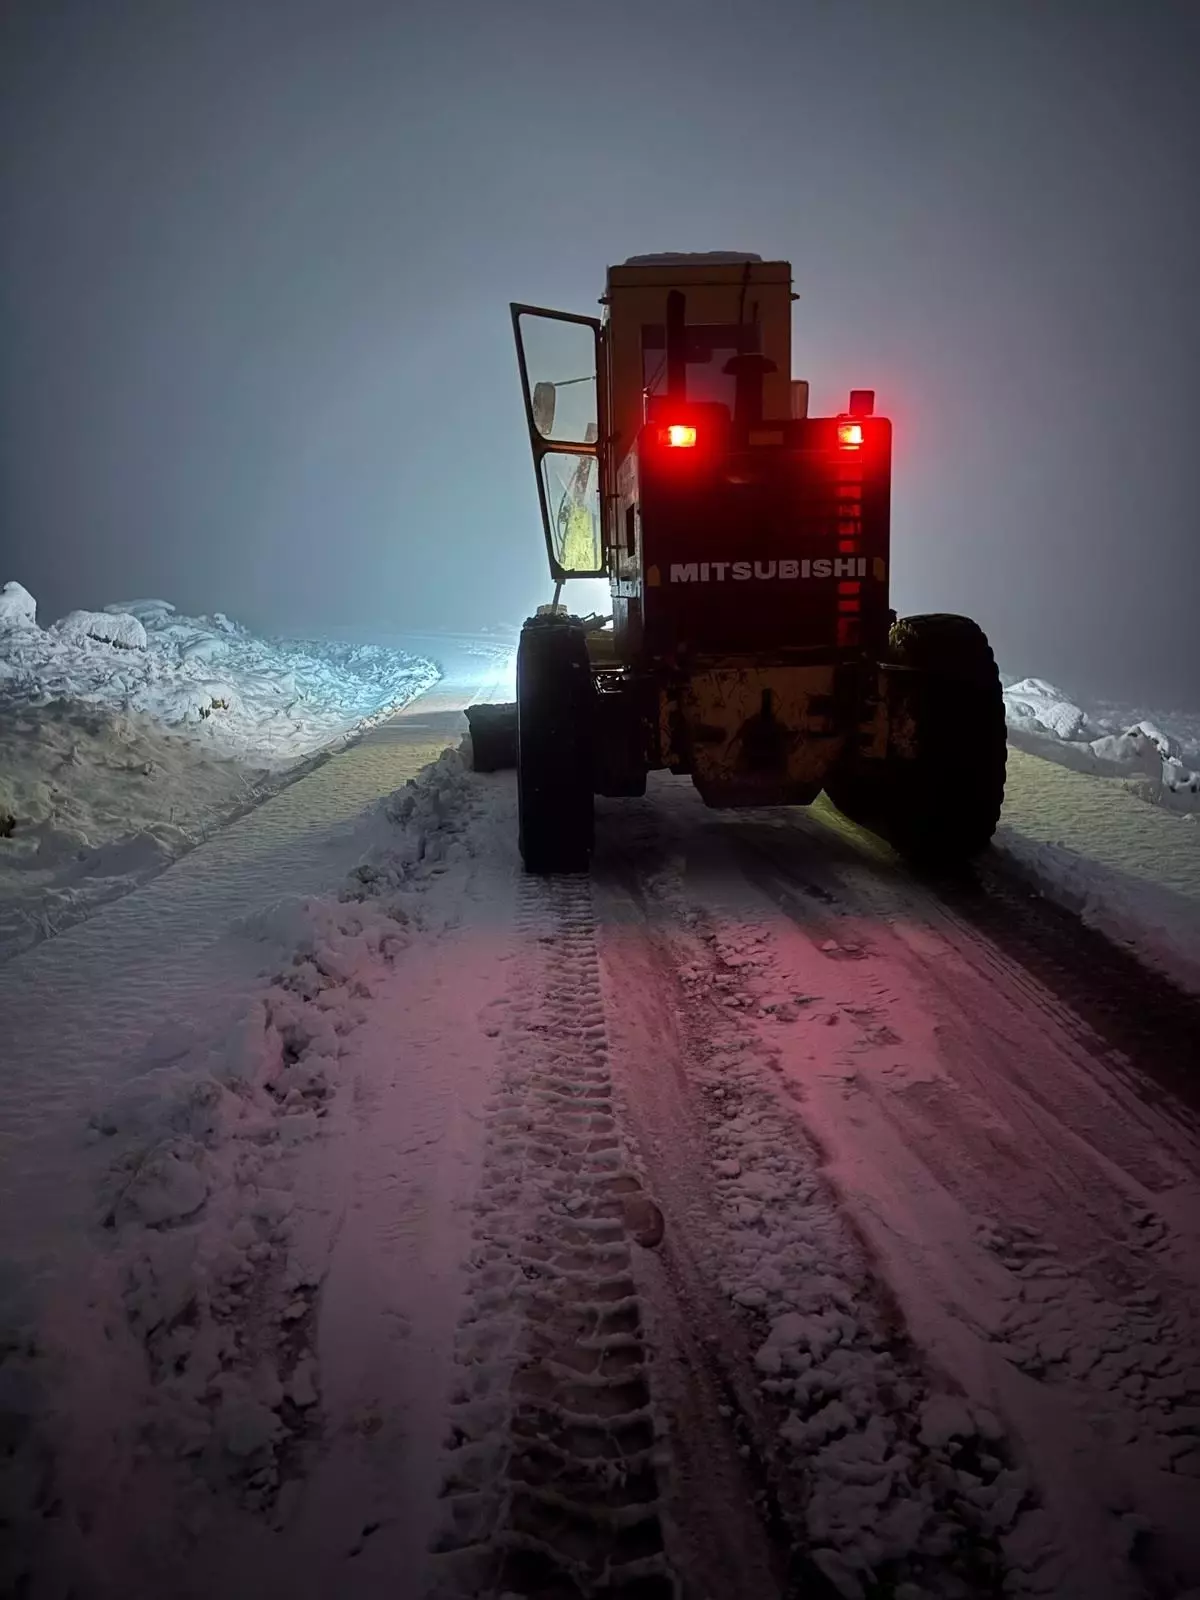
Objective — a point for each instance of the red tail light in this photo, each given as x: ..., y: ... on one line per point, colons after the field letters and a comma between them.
x: 850, y: 435
x: 677, y: 436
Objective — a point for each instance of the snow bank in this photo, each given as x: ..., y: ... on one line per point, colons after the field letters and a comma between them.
x: 127, y: 735
x: 267, y: 701
x: 1095, y: 837
x: 94, y: 801
x: 1152, y: 923
x: 1110, y: 741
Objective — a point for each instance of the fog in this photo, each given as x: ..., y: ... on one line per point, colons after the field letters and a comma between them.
x: 256, y: 356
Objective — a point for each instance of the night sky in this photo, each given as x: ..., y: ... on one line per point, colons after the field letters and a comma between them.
x: 256, y: 257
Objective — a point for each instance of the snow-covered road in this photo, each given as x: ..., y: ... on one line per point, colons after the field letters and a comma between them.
x: 750, y: 1220
x: 113, y: 994
x: 938, y: 1109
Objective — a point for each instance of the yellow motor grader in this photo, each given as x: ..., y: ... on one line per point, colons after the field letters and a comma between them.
x: 751, y: 645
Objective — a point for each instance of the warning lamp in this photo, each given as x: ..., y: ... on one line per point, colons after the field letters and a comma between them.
x: 678, y: 436
x: 850, y: 435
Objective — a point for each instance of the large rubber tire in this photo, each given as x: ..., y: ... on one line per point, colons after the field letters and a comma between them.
x: 944, y: 805
x: 555, y: 712
x: 493, y: 737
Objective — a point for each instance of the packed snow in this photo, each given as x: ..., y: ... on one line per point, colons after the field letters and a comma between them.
x: 286, y: 1367
x: 278, y: 1336
x: 1116, y: 838
x: 128, y: 734
x: 194, y: 1148
x: 273, y: 1270
x: 1128, y: 869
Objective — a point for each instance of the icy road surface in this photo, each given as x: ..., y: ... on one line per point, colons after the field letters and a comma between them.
x: 751, y: 1220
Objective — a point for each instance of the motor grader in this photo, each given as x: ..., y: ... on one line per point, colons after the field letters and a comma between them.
x: 751, y: 645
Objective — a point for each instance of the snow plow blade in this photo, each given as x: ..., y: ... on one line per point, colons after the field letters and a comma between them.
x: 493, y: 737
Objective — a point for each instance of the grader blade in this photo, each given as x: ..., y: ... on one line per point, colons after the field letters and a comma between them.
x: 493, y: 737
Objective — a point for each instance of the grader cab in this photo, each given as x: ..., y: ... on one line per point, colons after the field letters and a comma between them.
x: 751, y: 644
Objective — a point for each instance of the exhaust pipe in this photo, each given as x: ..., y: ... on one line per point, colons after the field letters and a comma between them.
x: 677, y: 345
x: 748, y: 369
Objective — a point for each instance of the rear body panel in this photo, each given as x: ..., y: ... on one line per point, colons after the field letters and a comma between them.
x: 752, y: 734
x: 769, y: 538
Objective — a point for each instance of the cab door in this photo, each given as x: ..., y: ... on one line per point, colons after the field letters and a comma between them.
x: 560, y: 356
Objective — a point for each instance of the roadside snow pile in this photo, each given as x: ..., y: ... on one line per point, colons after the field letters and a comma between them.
x: 127, y: 735
x: 271, y: 701
x: 1109, y: 740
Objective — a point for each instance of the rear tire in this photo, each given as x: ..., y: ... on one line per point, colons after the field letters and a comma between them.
x: 944, y: 804
x: 554, y: 746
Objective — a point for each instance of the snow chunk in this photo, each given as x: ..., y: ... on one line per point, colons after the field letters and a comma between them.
x: 302, y: 1387
x: 168, y: 1099
x: 245, y: 1425
x: 945, y: 1417
x: 161, y: 1283
x: 118, y: 629
x: 1131, y: 750
x: 1167, y: 745
x: 18, y: 608
x: 165, y: 1189
x: 1035, y: 706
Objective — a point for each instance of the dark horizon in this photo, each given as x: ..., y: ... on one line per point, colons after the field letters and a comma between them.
x: 257, y: 260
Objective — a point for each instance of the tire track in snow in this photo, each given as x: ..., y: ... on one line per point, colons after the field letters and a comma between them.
x: 884, y: 1479
x: 1102, y: 1301
x: 552, y: 1479
x: 997, y: 1103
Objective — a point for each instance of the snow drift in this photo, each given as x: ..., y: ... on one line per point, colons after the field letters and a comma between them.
x: 128, y: 734
x: 1110, y: 741
x: 268, y: 701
